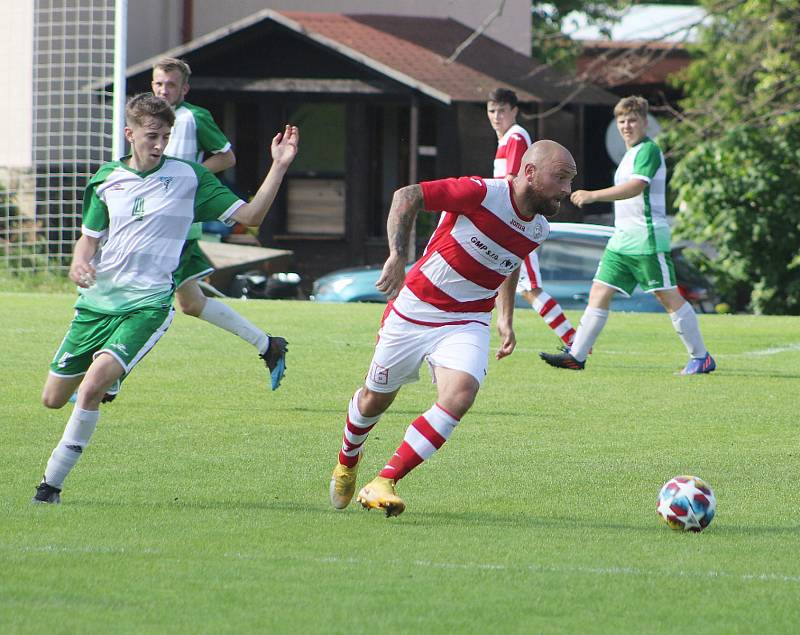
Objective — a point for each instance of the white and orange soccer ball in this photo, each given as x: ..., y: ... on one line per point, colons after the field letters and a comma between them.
x: 686, y: 503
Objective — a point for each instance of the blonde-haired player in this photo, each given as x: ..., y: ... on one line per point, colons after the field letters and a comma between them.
x: 638, y: 253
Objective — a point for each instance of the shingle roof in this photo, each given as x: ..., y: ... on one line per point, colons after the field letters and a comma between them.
x: 413, y: 51
x: 419, y: 47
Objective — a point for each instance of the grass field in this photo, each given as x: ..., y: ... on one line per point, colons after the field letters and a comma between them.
x: 201, y: 504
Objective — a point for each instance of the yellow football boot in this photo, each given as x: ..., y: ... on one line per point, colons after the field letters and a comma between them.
x: 379, y: 494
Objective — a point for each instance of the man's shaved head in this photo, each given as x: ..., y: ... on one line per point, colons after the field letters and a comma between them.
x: 545, y: 151
x: 545, y: 177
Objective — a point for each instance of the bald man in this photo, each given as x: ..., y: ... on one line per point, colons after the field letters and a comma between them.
x: 440, y: 311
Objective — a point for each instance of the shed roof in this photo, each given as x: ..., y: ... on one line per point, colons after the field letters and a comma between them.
x: 413, y: 52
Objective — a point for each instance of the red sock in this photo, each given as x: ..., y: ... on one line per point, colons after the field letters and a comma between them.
x: 426, y: 434
x: 554, y: 317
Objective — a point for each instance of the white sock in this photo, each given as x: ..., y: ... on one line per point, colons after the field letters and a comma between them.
x: 592, y: 322
x: 223, y: 316
x: 685, y: 322
x: 79, y: 430
x: 356, y: 431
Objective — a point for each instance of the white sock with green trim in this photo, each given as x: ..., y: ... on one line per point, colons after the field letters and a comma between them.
x: 79, y: 430
x: 686, y: 326
x: 223, y: 316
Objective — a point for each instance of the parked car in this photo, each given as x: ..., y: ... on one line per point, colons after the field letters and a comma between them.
x: 568, y: 261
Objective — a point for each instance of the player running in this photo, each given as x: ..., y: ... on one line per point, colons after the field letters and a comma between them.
x: 440, y: 312
x: 512, y: 142
x: 196, y: 137
x: 140, y: 208
x: 639, y: 250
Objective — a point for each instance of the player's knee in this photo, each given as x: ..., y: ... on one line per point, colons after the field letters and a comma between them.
x: 460, y: 401
x: 190, y: 305
x: 51, y: 399
x: 372, y: 404
x: 91, y: 392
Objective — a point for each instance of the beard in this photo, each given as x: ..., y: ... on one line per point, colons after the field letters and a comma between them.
x: 547, y: 207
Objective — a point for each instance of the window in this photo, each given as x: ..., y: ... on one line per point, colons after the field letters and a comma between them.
x: 315, y: 183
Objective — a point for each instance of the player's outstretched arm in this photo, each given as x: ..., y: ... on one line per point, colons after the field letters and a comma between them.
x: 406, y: 204
x: 284, y: 150
x: 620, y: 192
x: 81, y: 271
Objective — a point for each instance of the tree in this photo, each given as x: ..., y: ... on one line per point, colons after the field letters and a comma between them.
x: 744, y: 71
x: 737, y: 145
x: 740, y: 194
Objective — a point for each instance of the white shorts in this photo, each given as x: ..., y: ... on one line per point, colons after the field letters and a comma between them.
x: 403, y: 346
x: 530, y: 277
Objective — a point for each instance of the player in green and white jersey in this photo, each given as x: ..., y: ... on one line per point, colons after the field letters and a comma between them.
x: 196, y: 137
x: 638, y: 252
x: 139, y: 208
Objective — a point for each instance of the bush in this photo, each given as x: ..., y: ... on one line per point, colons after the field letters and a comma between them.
x: 741, y: 195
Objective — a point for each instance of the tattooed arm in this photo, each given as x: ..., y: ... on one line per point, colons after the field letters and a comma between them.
x: 406, y: 204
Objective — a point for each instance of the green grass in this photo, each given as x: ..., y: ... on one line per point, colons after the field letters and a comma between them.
x: 201, y: 504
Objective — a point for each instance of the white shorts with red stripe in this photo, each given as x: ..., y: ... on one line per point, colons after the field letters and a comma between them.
x: 403, y: 346
x: 530, y: 277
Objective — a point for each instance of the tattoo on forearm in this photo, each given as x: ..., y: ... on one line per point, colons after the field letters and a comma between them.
x: 406, y: 204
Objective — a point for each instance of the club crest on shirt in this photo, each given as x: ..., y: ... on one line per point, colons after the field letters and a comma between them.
x: 538, y: 231
x: 166, y: 181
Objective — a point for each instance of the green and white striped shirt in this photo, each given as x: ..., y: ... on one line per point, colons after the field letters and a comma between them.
x: 640, y: 222
x: 195, y: 135
x: 144, y: 218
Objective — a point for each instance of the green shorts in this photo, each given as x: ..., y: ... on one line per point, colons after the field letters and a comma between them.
x: 193, y: 264
x: 652, y: 272
x: 127, y: 337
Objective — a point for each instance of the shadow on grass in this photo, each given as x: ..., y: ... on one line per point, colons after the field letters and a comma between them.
x: 429, y: 519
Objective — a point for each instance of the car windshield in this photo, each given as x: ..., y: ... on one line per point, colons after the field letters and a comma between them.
x: 568, y: 259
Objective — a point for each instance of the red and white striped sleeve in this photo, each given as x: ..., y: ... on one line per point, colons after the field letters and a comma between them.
x: 515, y: 148
x: 454, y: 195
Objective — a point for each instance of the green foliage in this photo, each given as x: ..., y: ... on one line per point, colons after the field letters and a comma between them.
x: 549, y: 44
x: 9, y: 213
x: 200, y: 505
x: 744, y: 70
x: 44, y: 280
x: 737, y: 145
x: 741, y: 194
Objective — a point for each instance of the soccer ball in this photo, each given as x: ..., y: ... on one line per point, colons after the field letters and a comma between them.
x: 686, y: 503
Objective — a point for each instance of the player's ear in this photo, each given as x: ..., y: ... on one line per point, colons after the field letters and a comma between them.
x: 185, y: 89
x: 530, y: 170
x: 128, y: 132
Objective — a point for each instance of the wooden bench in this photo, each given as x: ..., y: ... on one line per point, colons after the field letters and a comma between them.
x: 230, y: 259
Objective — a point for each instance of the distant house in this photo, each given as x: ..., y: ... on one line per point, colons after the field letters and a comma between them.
x: 637, y: 53
x: 378, y: 106
x: 634, y: 56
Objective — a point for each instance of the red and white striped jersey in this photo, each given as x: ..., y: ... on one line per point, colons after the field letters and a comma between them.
x: 510, y: 148
x: 480, y: 241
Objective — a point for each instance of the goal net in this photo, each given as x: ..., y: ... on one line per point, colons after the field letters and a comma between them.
x: 69, y: 135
